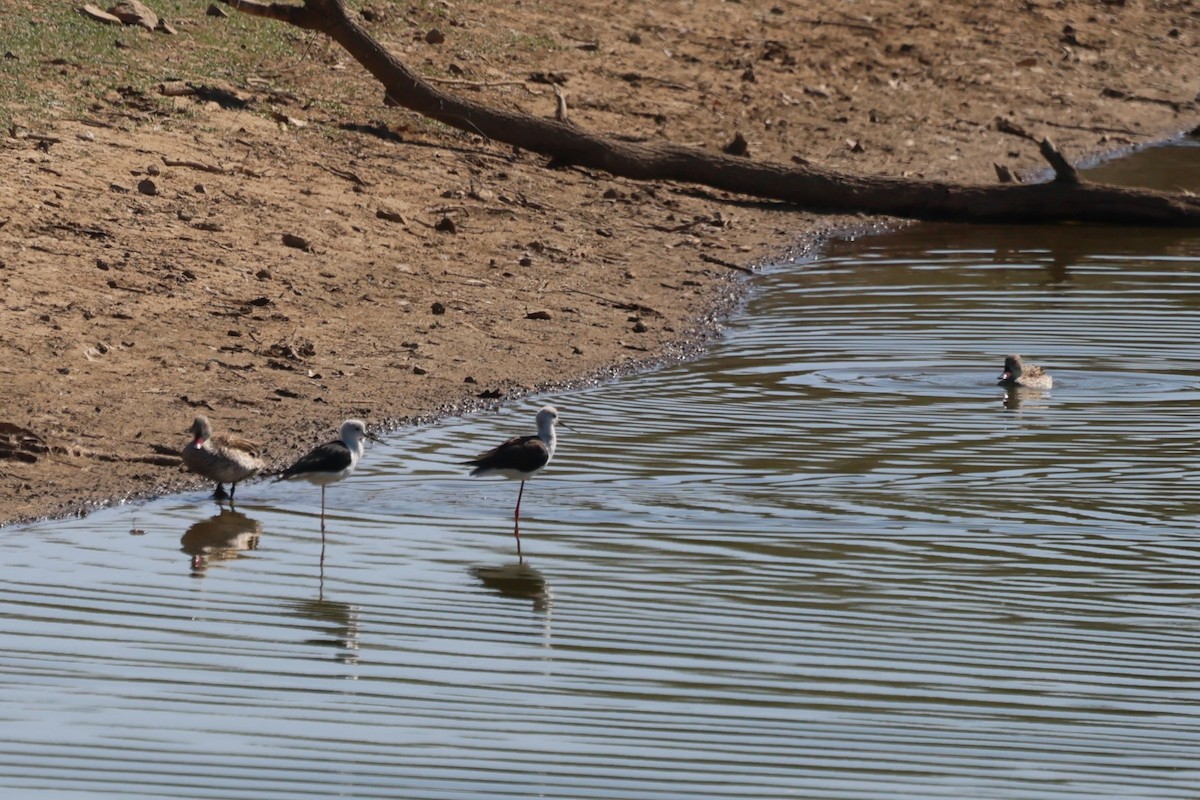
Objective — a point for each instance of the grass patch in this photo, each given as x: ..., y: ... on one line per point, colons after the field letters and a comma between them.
x: 54, y: 62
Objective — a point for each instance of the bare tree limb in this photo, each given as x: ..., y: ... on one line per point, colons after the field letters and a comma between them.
x: 1064, y: 172
x: 806, y: 186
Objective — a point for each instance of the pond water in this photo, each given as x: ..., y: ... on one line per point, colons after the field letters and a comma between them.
x: 831, y: 558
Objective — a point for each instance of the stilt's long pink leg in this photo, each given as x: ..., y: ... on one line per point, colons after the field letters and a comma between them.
x: 517, y: 520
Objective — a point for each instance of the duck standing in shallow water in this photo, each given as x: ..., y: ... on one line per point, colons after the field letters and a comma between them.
x: 224, y: 458
x: 1018, y: 373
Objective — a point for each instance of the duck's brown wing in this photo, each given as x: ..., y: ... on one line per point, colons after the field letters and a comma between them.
x: 234, y: 442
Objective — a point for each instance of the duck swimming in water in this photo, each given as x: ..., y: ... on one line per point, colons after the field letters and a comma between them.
x: 1018, y: 373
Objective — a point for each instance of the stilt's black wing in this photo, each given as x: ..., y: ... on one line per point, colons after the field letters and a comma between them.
x: 520, y: 453
x: 329, y: 457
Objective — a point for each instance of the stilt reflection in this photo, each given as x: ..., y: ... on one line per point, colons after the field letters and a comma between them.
x: 336, y: 625
x: 519, y: 581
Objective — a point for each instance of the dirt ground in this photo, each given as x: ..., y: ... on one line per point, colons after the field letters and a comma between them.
x: 243, y: 252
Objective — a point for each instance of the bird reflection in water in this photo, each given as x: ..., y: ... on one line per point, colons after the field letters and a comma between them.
x: 337, y: 625
x: 519, y: 581
x: 1017, y: 396
x: 220, y: 538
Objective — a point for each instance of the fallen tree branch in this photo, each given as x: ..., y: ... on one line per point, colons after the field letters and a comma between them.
x: 1174, y: 105
x: 344, y: 174
x: 1064, y: 172
x: 200, y: 165
x: 723, y: 263
x: 1065, y: 199
x: 475, y: 84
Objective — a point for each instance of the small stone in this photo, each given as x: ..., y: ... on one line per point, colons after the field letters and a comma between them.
x: 640, y: 327
x: 438, y: 309
x: 298, y: 242
x: 434, y: 36
x: 132, y: 12
x: 147, y: 187
x: 538, y: 315
x: 446, y: 225
x: 419, y: 370
x: 98, y: 15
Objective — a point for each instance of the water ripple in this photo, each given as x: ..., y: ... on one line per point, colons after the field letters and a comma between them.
x: 830, y: 559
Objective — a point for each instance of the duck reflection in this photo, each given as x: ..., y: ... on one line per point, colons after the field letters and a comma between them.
x: 220, y: 538
x: 517, y: 580
x: 337, y: 625
x: 1017, y: 396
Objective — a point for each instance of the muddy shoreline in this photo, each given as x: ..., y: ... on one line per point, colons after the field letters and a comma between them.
x: 169, y: 255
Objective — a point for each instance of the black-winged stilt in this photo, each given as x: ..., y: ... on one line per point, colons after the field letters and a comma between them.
x: 222, y: 457
x: 331, y: 462
x: 520, y: 458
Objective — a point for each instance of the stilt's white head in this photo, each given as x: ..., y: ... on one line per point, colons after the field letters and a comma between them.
x: 546, y: 420
x: 353, y: 432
